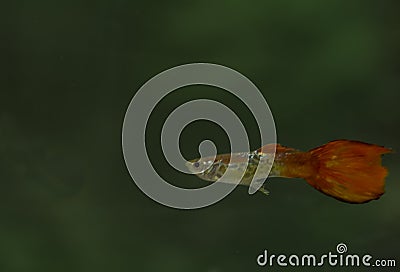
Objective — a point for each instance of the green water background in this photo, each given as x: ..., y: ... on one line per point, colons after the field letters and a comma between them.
x: 328, y: 69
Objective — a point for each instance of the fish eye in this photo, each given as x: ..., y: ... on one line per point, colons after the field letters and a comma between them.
x: 196, y: 164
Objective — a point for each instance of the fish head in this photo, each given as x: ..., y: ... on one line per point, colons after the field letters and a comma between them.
x: 209, y: 168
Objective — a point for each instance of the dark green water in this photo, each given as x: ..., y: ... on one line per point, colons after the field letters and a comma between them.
x: 328, y: 69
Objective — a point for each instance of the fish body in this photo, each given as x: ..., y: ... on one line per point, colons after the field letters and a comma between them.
x: 349, y: 171
x: 242, y: 164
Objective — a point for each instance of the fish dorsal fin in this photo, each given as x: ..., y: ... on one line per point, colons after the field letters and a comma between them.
x: 269, y: 148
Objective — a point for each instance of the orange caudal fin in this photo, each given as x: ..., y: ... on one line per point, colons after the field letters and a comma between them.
x: 349, y: 171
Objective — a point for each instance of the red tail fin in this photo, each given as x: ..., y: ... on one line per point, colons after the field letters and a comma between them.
x: 350, y: 171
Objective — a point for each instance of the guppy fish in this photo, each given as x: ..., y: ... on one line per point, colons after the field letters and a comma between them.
x: 349, y: 171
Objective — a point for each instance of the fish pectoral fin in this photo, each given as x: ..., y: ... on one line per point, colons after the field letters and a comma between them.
x: 257, y: 185
x: 263, y: 190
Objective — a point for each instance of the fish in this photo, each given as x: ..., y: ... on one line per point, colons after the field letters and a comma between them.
x: 347, y: 170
